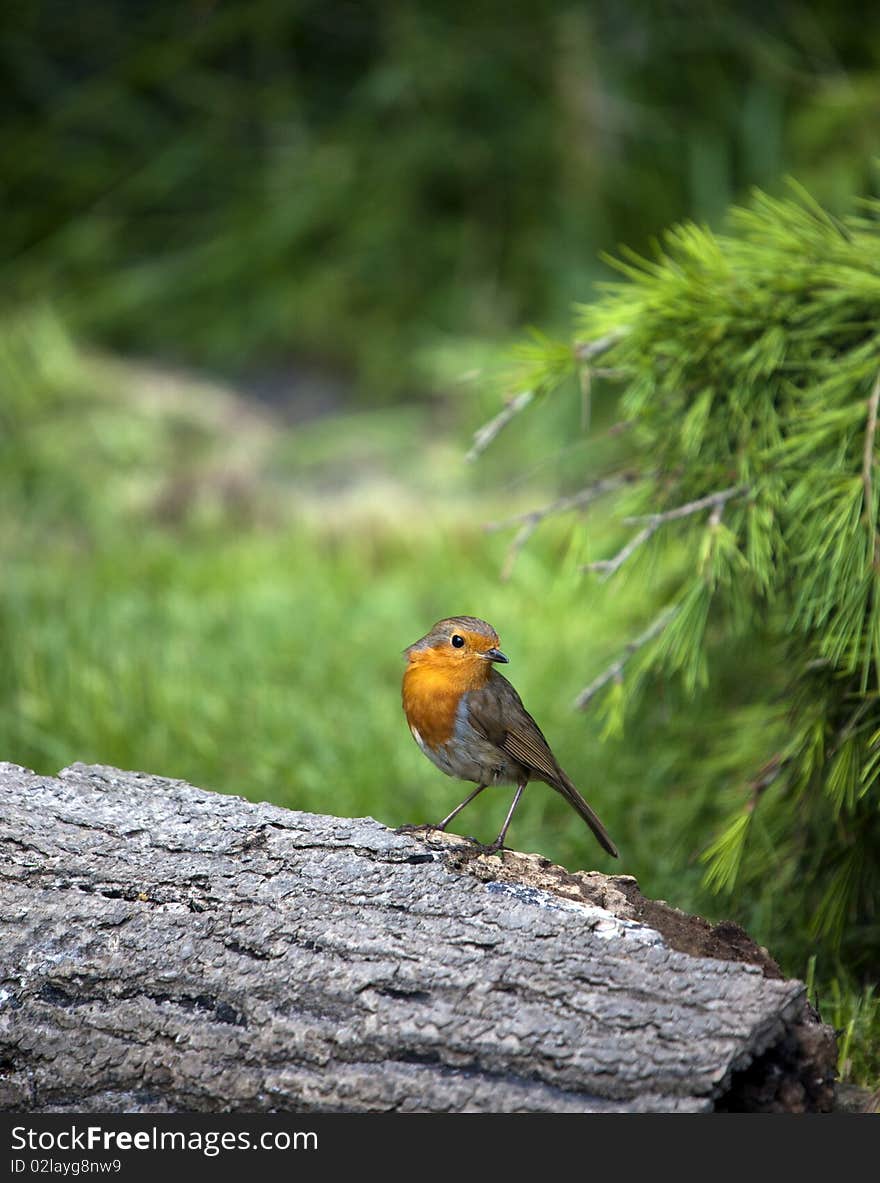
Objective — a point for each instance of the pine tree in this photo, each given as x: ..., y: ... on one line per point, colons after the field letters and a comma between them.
x: 749, y: 365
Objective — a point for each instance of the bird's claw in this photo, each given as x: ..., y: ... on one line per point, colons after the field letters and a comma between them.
x: 483, y: 848
x: 426, y: 828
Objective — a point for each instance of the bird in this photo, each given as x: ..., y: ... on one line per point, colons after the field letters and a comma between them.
x: 469, y: 721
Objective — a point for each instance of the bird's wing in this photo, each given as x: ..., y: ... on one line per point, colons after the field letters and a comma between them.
x: 497, y: 712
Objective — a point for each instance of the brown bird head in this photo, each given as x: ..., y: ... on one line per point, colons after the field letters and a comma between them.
x: 458, y: 642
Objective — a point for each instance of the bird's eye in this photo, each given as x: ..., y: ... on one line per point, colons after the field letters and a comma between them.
x: 457, y: 641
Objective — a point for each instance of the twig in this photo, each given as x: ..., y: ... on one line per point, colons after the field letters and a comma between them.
x: 586, y: 350
x: 484, y: 435
x: 521, y: 537
x: 615, y: 670
x: 716, y: 515
x: 583, y: 352
x: 653, y: 522
x: 609, y: 567
x: 763, y: 780
x: 575, y: 501
x: 618, y: 428
x: 529, y: 522
x: 587, y: 374
x: 585, y: 378
x: 691, y: 507
x: 610, y: 373
x: 868, y: 465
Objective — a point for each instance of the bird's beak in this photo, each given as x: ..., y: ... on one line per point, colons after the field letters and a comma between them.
x: 496, y: 655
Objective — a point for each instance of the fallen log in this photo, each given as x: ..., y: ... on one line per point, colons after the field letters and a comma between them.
x: 167, y: 949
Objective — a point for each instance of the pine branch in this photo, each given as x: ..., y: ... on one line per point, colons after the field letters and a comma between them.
x: 529, y: 522
x: 585, y: 351
x: 615, y: 670
x: 484, y: 435
x: 713, y: 501
x: 763, y: 779
x: 868, y: 467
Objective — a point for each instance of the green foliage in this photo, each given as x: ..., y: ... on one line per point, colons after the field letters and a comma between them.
x: 751, y: 370
x: 232, y: 183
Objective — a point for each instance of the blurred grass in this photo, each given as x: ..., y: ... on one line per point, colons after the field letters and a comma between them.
x: 192, y: 588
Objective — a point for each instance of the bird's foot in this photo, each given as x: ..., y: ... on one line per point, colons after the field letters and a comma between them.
x: 414, y: 828
x: 495, y: 847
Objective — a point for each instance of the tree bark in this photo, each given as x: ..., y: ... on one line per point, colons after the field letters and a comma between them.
x: 163, y: 949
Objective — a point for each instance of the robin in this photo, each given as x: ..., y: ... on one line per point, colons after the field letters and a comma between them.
x: 469, y: 720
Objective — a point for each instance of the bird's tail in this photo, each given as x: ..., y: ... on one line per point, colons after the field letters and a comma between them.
x: 579, y: 805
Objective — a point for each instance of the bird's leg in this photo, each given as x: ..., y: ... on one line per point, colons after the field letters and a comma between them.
x: 442, y: 825
x: 498, y: 844
x: 408, y: 829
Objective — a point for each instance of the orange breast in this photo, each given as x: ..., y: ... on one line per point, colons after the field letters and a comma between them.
x: 430, y: 701
x: 433, y: 684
